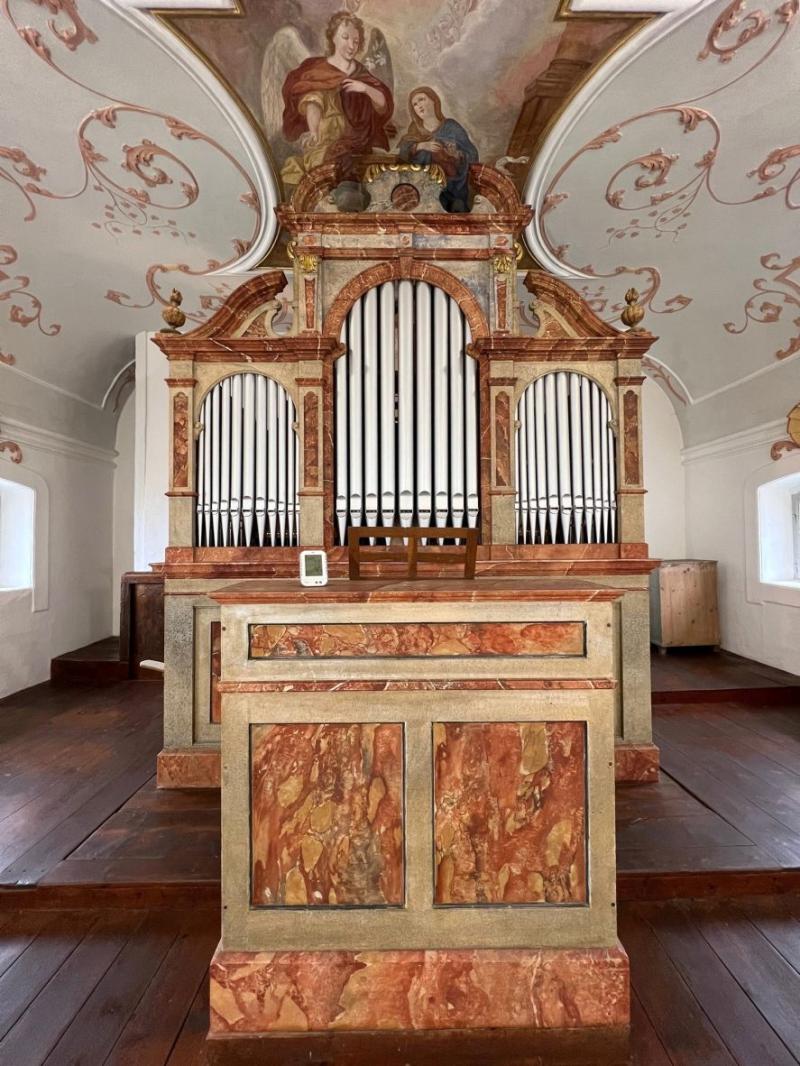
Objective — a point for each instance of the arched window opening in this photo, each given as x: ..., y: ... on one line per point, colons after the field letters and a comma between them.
x: 779, y: 530
x: 247, y: 465
x: 406, y: 412
x: 566, y: 462
x: 17, y: 535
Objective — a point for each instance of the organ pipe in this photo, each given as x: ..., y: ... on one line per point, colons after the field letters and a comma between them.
x: 566, y: 462
x: 406, y: 432
x: 247, y: 461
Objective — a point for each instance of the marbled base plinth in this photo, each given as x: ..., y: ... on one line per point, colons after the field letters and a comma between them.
x: 318, y: 991
x: 188, y: 768
x: 636, y: 763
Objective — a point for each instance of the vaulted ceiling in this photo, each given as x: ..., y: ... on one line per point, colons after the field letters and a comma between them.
x: 140, y: 153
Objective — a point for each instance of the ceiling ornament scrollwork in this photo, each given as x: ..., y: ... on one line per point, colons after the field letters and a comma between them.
x: 761, y: 310
x: 26, y: 308
x: 657, y: 191
x: 140, y: 141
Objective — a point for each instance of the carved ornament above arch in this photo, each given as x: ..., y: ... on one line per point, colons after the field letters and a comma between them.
x: 411, y: 270
x: 562, y: 312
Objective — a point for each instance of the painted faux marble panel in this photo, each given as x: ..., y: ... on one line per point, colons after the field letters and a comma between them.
x: 286, y: 991
x: 395, y: 639
x: 510, y: 812
x: 327, y: 815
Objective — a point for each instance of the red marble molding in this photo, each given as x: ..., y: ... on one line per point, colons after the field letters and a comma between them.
x: 501, y: 288
x: 508, y: 382
x: 181, y: 383
x: 215, y: 671
x: 327, y: 815
x: 269, y: 568
x: 510, y: 812
x: 630, y: 408
x: 636, y: 762
x: 488, y: 589
x: 299, y: 991
x: 415, y: 271
x: 502, y: 439
x: 629, y: 380
x: 311, y: 439
x: 236, y: 310
x: 498, y: 189
x: 310, y: 292
x: 180, y: 440
x: 286, y: 349
x: 309, y: 383
x: 188, y: 768
x: 390, y: 640
x: 537, y: 684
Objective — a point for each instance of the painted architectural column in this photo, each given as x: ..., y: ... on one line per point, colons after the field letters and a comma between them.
x: 630, y: 487
x: 182, y: 491
x: 310, y: 423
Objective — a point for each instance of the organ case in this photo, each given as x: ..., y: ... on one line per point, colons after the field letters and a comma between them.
x: 404, y: 393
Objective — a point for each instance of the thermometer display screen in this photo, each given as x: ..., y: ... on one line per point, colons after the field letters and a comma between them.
x: 313, y: 565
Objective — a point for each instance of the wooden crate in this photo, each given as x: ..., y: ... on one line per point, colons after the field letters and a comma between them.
x: 683, y: 604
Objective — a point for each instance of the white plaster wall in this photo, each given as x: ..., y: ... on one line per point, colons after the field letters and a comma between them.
x: 151, y: 524
x: 761, y: 622
x: 664, y: 476
x: 77, y: 479
x: 123, y: 503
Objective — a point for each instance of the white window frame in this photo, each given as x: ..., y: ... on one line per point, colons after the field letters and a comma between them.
x: 40, y: 588
x: 769, y: 589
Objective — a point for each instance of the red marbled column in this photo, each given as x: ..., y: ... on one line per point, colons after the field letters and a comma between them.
x: 502, y: 439
x: 510, y: 812
x: 327, y: 814
x: 180, y: 440
x: 440, y: 639
x: 630, y: 406
x: 521, y: 988
x: 311, y: 440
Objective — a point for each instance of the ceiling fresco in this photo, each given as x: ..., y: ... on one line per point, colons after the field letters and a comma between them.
x: 501, y: 68
x: 142, y: 150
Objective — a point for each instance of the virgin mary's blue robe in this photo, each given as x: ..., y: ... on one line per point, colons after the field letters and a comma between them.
x: 455, y: 196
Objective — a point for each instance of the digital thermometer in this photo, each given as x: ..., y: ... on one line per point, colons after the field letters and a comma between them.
x: 313, y: 568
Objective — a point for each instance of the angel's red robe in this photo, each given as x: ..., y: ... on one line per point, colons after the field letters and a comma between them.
x: 365, y: 127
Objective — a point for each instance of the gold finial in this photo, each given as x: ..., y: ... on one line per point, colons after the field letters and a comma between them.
x: 634, y: 312
x: 172, y: 313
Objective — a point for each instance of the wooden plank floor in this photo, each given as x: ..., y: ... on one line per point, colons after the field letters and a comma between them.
x: 714, y: 984
x: 79, y: 807
x: 695, y: 674
x: 728, y: 798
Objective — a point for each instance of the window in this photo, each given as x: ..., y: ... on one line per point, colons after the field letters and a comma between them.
x: 17, y: 513
x: 779, y: 530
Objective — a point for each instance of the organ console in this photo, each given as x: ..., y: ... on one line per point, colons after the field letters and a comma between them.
x: 405, y: 395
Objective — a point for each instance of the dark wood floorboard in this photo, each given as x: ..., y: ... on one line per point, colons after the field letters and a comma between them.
x: 714, y: 984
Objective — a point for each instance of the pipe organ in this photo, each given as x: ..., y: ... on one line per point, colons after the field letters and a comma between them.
x: 403, y: 393
x: 566, y: 462
x: 406, y: 412
x: 440, y: 751
x: 247, y: 465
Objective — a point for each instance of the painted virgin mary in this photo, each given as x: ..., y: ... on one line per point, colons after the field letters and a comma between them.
x: 432, y: 138
x: 333, y: 105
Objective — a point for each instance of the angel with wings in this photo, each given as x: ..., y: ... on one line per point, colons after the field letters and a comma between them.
x: 334, y: 106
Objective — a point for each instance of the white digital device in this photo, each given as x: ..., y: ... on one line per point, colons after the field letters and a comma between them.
x: 313, y: 568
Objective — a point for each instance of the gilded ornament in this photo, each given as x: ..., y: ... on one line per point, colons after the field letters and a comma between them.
x: 307, y: 262
x: 634, y: 312
x: 504, y: 264
x: 172, y: 313
x: 433, y: 170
